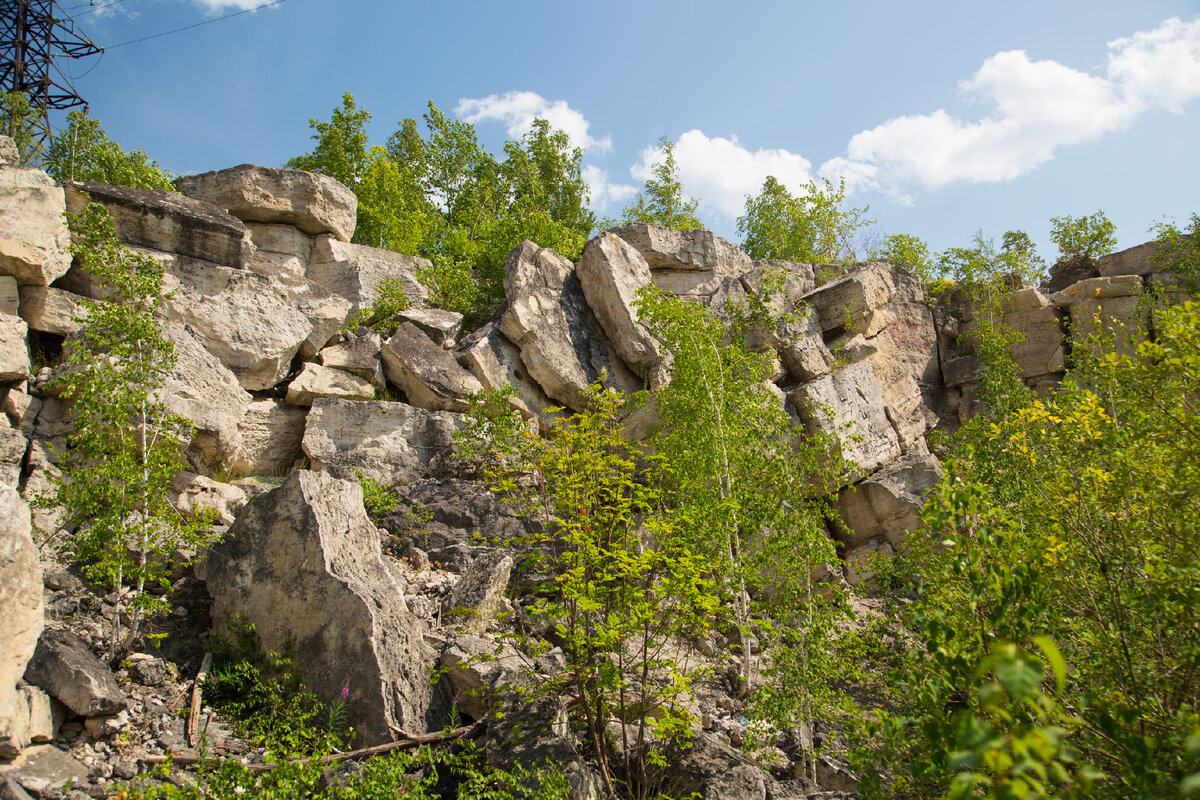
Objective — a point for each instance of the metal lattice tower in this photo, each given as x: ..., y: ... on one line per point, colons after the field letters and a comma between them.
x: 31, y: 38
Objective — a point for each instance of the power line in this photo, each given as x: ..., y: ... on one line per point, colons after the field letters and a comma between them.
x: 195, y: 25
x: 96, y: 8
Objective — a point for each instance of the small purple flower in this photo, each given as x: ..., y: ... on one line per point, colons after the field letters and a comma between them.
x: 454, y: 701
x: 345, y: 693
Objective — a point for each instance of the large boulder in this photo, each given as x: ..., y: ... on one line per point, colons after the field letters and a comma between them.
x: 428, y: 375
x: 848, y: 407
x: 21, y: 622
x: 313, y: 203
x: 611, y: 272
x: 316, y: 381
x: 14, y: 352
x: 478, y: 668
x: 359, y: 355
x: 280, y: 248
x: 478, y: 597
x: 13, y: 446
x: 496, y: 363
x: 64, y: 666
x: 355, y: 271
x: 167, y: 221
x: 888, y: 504
x: 303, y: 564
x: 389, y: 442
x: 245, y: 319
x: 52, y: 310
x: 271, y: 432
x: 856, y: 303
x: 665, y: 248
x: 10, y: 296
x: 711, y: 769
x: 1110, y: 307
x: 35, y: 247
x: 548, y: 319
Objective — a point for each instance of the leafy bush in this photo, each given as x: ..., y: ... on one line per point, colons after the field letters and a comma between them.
x: 377, y: 498
x: 384, y: 314
x: 1087, y: 237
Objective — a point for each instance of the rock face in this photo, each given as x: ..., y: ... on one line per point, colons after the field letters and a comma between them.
x: 848, y: 407
x: 35, y: 246
x: 888, y: 504
x: 51, y: 310
x: 388, y: 442
x: 355, y: 272
x: 14, y: 354
x: 549, y: 320
x: 302, y: 563
x: 496, y: 362
x: 611, y: 272
x: 316, y: 381
x: 167, y: 221
x: 428, y: 375
x: 313, y: 203
x: 21, y: 622
x: 271, y: 432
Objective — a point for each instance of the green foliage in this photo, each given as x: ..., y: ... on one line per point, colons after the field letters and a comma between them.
x: 1073, y: 517
x: 445, y: 198
x: 124, y: 446
x: 911, y: 254
x: 422, y: 774
x: 264, y: 696
x: 813, y: 228
x: 83, y: 152
x: 980, y: 271
x: 1083, y: 237
x: 383, y: 316
x: 661, y: 200
x: 377, y: 498
x: 626, y: 584
x: 21, y: 122
x: 1178, y: 251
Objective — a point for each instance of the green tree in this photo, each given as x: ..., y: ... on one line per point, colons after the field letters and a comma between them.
x: 812, y: 228
x: 1177, y: 251
x: 1087, y: 237
x: 910, y: 253
x: 661, y: 200
x: 20, y: 121
x: 83, y: 152
x: 123, y: 449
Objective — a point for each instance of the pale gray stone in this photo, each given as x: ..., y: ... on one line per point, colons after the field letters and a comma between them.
x: 856, y: 303
x: 477, y: 668
x: 35, y: 247
x: 664, y: 248
x: 51, y: 310
x: 359, y: 355
x: 496, y: 362
x: 316, y: 381
x: 303, y: 564
x: 429, y: 376
x: 13, y: 445
x: 438, y: 324
x: 193, y: 494
x: 64, y: 666
x: 888, y: 504
x: 355, y: 271
x: 21, y: 622
x: 478, y: 597
x: 610, y: 273
x: 848, y: 407
x: 10, y: 299
x: 271, y: 432
x: 313, y: 203
x: 14, y: 352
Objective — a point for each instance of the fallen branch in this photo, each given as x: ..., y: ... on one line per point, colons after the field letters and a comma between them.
x: 193, y: 727
x: 409, y: 743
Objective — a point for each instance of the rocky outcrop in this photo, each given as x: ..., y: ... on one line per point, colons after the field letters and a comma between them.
x: 356, y: 272
x: 313, y: 203
x: 21, y: 622
x: 359, y: 355
x: 14, y: 353
x: 496, y: 362
x: 479, y: 594
x: 888, y: 504
x: 847, y: 407
x: 167, y: 221
x: 271, y: 432
x: 50, y: 310
x: 316, y: 381
x: 548, y: 319
x: 64, y: 666
x: 302, y: 564
x: 34, y: 249
x: 429, y: 376
x: 610, y: 273
x: 389, y: 442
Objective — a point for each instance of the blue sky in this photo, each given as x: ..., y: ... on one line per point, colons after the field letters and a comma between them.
x: 943, y: 117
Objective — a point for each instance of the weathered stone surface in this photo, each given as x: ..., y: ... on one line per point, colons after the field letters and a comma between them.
x: 316, y: 381
x: 438, y: 324
x: 903, y: 402
x: 10, y: 298
x: 326, y: 311
x: 9, y: 154
x: 664, y: 248
x: 14, y: 352
x: 280, y: 248
x: 1108, y: 306
x: 313, y: 203
x: 42, y: 472
x: 478, y: 597
x: 862, y: 561
x: 21, y: 622
x: 790, y: 280
x: 35, y: 246
x: 610, y: 273
x: 42, y: 720
x: 548, y: 318
x: 477, y: 666
x: 271, y: 432
x: 912, y: 331
x: 1099, y: 289
x: 167, y: 221
x: 496, y: 362
x: 1137, y: 260
x: 712, y: 769
x: 888, y: 504
x: 781, y: 288
x: 245, y: 319
x: 390, y: 442
x: 51, y: 310
x: 355, y: 271
x: 64, y: 666
x: 428, y: 375
x: 848, y: 406
x: 192, y: 494
x: 13, y: 445
x: 359, y: 355
x: 201, y: 389
x: 21, y: 408
x: 856, y: 302
x: 303, y: 564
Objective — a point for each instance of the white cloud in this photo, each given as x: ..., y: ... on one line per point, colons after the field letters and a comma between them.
x: 518, y: 110
x: 1036, y: 108
x: 720, y: 172
x: 605, y: 193
x: 214, y: 6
